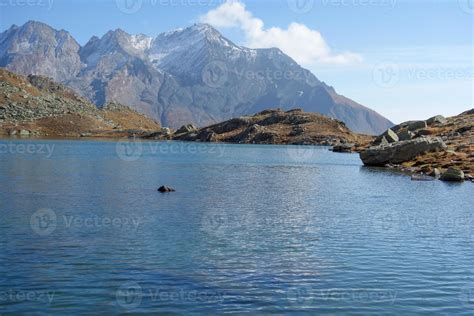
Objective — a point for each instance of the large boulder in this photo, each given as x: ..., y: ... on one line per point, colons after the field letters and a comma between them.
x: 399, y: 152
x: 389, y: 136
x: 438, y: 119
x: 405, y: 135
x: 413, y: 126
x: 452, y: 175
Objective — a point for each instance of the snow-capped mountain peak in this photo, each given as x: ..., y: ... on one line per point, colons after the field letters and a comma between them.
x: 193, y: 74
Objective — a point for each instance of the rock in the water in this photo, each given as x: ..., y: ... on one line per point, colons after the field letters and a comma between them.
x: 405, y: 135
x: 399, y: 152
x: 438, y: 119
x: 422, y: 177
x: 453, y: 175
x: 413, y: 126
x: 343, y: 148
x: 189, y: 128
x: 165, y: 189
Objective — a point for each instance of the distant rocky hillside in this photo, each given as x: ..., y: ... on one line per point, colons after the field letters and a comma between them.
x: 440, y: 147
x: 277, y: 127
x: 36, y: 105
x: 188, y: 75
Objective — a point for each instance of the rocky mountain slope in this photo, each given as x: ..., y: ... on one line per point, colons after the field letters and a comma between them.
x: 187, y: 75
x: 35, y: 105
x: 277, y: 127
x: 439, y: 147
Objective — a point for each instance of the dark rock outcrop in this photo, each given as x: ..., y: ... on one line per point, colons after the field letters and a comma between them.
x: 343, y: 148
x: 452, y: 175
x: 165, y: 189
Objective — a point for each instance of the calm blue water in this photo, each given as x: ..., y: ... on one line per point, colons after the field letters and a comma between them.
x: 268, y: 229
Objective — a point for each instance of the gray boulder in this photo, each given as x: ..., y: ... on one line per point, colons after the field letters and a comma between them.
x: 399, y: 152
x: 405, y: 135
x: 438, y: 119
x: 413, y: 126
x: 389, y: 136
x: 452, y: 175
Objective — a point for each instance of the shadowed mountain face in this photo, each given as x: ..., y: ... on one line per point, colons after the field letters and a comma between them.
x: 191, y: 75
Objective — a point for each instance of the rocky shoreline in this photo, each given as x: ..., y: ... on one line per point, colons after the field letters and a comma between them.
x: 438, y: 148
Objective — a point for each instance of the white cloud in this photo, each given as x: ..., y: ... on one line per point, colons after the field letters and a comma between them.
x: 303, y: 44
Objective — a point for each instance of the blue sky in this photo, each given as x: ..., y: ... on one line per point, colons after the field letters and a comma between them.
x: 413, y: 59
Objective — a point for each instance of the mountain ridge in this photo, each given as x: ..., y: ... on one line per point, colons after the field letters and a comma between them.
x: 188, y: 75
